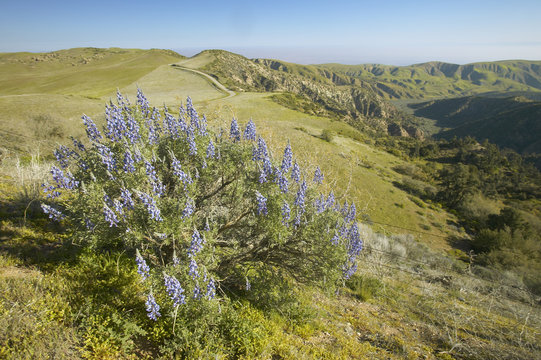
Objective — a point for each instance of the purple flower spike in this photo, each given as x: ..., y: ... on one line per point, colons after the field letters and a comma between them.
x: 153, y: 309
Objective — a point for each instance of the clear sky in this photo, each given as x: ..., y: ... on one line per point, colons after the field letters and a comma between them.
x: 350, y: 32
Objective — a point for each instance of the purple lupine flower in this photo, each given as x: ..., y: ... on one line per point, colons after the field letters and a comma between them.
x: 318, y: 176
x: 119, y: 98
x: 150, y: 204
x: 249, y: 132
x: 203, y: 126
x: 151, y: 172
x: 110, y: 216
x: 132, y: 130
x: 91, y: 129
x: 261, y: 203
x: 286, y: 213
x: 197, y: 292
x: 355, y: 243
x: 349, y: 270
x: 116, y: 126
x: 174, y: 289
x: 207, y: 226
x: 137, y: 156
x: 63, y: 181
x: 53, y: 213
x: 191, y: 142
x: 296, y: 172
x: 260, y: 152
x: 51, y: 191
x: 181, y: 122
x: 128, y: 165
x: 210, y: 150
x: 107, y: 157
x: 320, y: 204
x: 342, y: 230
x: 192, y: 114
x: 118, y: 207
x: 350, y: 214
x: 189, y: 208
x: 234, y: 132
x: 127, y: 198
x: 330, y: 200
x: 193, y: 269
x: 142, y: 267
x: 211, y: 289
x: 142, y: 102
x: 153, y: 309
x: 345, y: 209
x: 170, y: 124
x: 299, y: 199
x: 77, y: 144
x: 248, y: 286
x: 177, y: 170
x: 287, y: 159
x: 266, y: 170
x: 157, y: 187
x: 281, y: 180
x: 300, y: 203
x: 153, y: 125
x: 63, y: 154
x: 196, y: 245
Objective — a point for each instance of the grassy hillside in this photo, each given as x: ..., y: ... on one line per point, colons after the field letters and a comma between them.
x: 510, y: 122
x: 437, y: 79
x: 43, y: 95
x: 84, y: 71
x: 358, y: 105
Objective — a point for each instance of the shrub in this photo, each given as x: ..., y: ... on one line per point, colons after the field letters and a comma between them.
x: 364, y: 287
x: 328, y: 135
x: 202, y: 214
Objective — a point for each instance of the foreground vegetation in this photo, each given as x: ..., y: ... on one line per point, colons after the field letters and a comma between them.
x: 405, y: 302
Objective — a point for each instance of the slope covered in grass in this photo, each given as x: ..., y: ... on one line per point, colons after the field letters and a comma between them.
x: 82, y: 71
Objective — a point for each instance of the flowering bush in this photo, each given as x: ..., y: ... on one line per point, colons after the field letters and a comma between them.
x: 202, y: 213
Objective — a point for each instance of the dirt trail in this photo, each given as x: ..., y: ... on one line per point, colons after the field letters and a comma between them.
x: 220, y: 86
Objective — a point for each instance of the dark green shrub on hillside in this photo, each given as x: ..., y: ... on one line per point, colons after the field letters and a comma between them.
x: 328, y: 135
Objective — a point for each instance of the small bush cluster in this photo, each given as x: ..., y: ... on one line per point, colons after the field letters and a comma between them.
x: 203, y: 215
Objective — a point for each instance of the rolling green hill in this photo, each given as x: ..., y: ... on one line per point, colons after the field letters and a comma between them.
x: 438, y: 79
x: 82, y: 71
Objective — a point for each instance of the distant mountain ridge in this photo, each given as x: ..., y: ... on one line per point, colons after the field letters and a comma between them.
x: 436, y: 79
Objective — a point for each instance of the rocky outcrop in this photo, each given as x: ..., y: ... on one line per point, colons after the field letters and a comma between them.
x: 335, y: 92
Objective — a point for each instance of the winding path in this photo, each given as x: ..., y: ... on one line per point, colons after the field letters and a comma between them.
x: 215, y: 82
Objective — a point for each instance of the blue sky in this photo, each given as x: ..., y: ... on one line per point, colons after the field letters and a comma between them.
x: 352, y: 32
